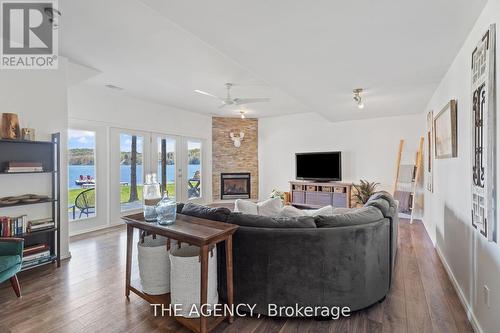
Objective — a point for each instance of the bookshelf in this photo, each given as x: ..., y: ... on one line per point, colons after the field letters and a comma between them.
x: 48, y: 154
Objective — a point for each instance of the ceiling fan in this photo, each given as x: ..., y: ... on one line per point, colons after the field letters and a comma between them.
x: 228, y: 100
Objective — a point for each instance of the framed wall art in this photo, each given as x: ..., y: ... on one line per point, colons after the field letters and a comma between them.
x: 445, y: 132
x: 483, y: 135
x: 430, y: 152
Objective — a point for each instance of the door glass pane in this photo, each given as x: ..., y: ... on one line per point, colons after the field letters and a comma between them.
x: 81, y: 174
x: 131, y: 171
x: 194, y: 169
x: 166, y: 165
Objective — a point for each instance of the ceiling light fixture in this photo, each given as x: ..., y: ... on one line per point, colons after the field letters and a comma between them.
x: 357, y: 97
x: 112, y: 86
x: 242, y: 114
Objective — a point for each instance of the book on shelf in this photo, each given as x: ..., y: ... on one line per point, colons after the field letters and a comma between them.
x: 16, y: 226
x: 40, y: 224
x: 36, y: 256
x: 13, y: 226
x: 32, y: 249
x: 36, y: 262
x: 24, y: 167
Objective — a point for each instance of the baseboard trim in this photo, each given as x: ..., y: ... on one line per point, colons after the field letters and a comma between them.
x: 468, y: 309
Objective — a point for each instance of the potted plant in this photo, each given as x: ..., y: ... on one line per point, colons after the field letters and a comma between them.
x: 363, y: 191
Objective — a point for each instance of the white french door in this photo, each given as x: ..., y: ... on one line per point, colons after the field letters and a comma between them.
x: 192, y: 170
x: 177, y: 161
x: 180, y: 172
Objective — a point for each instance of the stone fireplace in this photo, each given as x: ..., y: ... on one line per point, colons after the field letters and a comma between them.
x: 230, y: 160
x: 235, y: 185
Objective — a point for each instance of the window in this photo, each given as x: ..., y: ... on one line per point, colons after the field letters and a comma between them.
x: 194, y: 169
x: 131, y: 171
x: 166, y: 164
x: 81, y: 174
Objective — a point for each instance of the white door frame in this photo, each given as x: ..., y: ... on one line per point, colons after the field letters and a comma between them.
x: 185, y: 170
x: 100, y: 219
x: 114, y: 174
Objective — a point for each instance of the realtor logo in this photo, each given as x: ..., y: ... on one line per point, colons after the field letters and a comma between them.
x: 29, y: 35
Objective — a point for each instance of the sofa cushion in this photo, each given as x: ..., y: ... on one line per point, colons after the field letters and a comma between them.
x: 385, y: 195
x: 325, y: 211
x: 7, y: 262
x: 381, y: 204
x: 355, y: 217
x: 343, y: 210
x: 247, y: 220
x: 217, y: 214
x: 291, y: 211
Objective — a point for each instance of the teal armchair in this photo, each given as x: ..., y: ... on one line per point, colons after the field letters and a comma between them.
x: 11, y: 257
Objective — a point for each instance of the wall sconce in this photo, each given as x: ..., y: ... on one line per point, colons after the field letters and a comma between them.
x: 237, y: 139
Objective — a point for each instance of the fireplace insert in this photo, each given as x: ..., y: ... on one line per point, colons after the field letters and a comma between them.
x: 235, y: 185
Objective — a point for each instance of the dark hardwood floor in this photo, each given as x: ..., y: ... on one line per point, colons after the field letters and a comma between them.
x: 87, y: 295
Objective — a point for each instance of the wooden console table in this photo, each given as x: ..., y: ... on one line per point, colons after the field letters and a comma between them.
x: 316, y: 195
x: 194, y: 231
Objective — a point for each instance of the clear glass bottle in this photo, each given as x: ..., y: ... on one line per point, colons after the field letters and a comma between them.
x: 152, y: 195
x: 166, y: 210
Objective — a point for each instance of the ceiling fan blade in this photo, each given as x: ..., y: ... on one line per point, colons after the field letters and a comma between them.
x: 241, y: 101
x: 222, y: 105
x: 206, y: 94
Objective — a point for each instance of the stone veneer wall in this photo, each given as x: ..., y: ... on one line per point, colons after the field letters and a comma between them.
x: 227, y: 158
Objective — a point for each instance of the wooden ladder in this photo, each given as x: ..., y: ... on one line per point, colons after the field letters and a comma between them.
x: 411, y: 187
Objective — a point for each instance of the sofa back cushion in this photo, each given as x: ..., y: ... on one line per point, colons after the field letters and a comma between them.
x: 381, y: 204
x: 216, y: 214
x: 257, y: 221
x: 363, y: 215
x: 383, y: 201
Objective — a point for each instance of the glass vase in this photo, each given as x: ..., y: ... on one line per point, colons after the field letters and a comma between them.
x: 152, y: 195
x: 166, y: 210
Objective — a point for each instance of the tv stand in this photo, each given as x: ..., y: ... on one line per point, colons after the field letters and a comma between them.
x: 310, y: 194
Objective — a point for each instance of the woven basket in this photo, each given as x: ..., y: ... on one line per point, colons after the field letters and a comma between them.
x: 185, y: 279
x: 154, y: 265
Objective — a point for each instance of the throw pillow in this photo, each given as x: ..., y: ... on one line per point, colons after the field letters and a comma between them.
x: 325, y: 211
x: 245, y: 207
x: 217, y: 214
x: 270, y: 207
x: 291, y: 211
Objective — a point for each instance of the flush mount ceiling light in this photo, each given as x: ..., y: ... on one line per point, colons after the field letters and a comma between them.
x: 242, y: 114
x: 112, y: 86
x: 357, y: 97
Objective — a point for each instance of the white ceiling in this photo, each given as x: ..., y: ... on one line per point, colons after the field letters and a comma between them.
x: 307, y: 56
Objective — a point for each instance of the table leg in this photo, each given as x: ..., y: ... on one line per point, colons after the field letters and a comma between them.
x: 130, y: 238
x: 204, y: 286
x: 229, y: 273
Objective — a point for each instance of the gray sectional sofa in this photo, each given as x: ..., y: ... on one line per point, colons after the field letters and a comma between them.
x: 341, y: 260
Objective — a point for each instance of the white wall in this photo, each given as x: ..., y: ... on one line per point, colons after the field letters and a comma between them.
x: 369, y: 147
x: 119, y: 110
x: 39, y: 98
x: 472, y: 261
x: 101, y: 109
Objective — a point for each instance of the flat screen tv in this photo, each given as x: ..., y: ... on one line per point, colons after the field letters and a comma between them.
x: 324, y: 166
